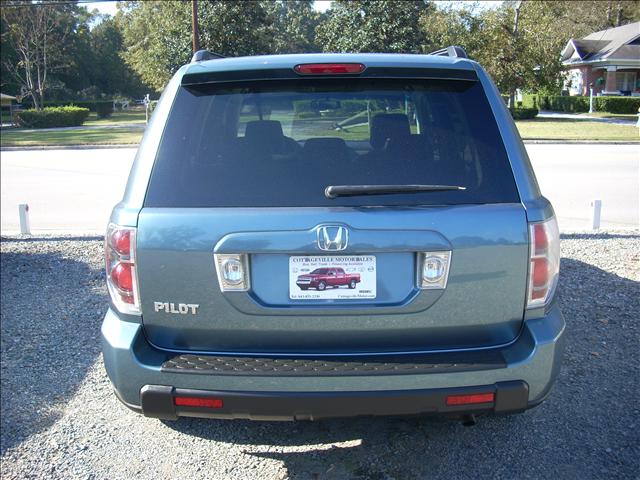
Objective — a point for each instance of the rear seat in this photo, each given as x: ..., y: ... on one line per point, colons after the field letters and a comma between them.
x: 319, y: 149
x: 265, y: 137
x: 387, y: 126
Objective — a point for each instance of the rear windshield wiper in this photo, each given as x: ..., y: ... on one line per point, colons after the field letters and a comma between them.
x: 334, y: 191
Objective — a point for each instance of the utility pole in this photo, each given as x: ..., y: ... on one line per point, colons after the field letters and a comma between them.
x: 515, y: 35
x: 517, y: 15
x: 194, y: 26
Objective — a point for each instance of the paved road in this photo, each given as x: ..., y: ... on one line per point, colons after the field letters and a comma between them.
x: 73, y: 191
x: 67, y: 190
x: 571, y: 176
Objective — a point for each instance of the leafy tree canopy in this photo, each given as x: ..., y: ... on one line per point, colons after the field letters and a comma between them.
x: 374, y: 26
x: 294, y: 24
x: 157, y: 34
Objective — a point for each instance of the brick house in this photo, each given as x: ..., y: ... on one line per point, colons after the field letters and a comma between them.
x: 610, y: 59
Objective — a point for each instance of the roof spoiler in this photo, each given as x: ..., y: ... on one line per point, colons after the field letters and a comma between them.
x: 202, y: 55
x: 452, y: 51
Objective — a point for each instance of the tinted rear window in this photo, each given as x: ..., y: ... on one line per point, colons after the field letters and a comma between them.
x: 282, y: 143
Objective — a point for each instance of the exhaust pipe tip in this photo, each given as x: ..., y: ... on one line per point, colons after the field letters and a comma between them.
x: 469, y: 420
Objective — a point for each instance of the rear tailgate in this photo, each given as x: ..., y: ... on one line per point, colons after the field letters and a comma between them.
x: 482, y: 304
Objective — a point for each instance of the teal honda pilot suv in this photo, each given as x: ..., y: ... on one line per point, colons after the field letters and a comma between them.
x: 403, y: 171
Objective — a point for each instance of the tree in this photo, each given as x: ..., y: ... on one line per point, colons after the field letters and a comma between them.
x: 157, y: 35
x: 294, y: 25
x: 528, y: 58
x: 588, y: 16
x: 37, y: 35
x: 373, y: 26
x: 462, y: 26
x: 110, y: 74
x: 506, y: 52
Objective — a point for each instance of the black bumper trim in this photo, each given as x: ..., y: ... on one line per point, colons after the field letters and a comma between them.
x: 157, y: 402
x: 335, y: 366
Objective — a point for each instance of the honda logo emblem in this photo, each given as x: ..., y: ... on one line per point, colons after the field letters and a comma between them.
x: 332, y: 238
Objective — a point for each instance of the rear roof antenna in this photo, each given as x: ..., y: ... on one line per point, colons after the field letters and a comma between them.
x: 202, y: 55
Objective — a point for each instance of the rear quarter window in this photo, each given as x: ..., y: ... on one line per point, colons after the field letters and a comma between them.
x: 281, y: 143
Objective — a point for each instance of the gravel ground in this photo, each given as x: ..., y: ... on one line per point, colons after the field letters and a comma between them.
x: 61, y: 420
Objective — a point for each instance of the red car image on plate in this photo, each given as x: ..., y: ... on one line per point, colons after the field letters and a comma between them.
x: 321, y: 278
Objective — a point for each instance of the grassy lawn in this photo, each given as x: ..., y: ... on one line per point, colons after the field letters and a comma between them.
x: 616, y: 116
x: 130, y: 116
x: 83, y: 136
x: 566, y: 129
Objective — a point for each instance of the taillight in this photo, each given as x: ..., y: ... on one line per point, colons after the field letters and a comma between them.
x: 544, y: 265
x: 329, y: 68
x: 120, y: 262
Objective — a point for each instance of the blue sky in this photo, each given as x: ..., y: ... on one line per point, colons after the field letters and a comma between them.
x: 320, y: 5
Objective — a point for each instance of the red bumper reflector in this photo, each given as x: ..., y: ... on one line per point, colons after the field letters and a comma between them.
x: 470, y: 399
x: 198, y: 402
x: 328, y: 68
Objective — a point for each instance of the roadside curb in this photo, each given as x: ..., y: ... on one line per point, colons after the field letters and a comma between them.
x: 68, y: 147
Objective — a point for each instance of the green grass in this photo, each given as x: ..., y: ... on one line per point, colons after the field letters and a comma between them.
x: 85, y: 136
x: 617, y: 116
x: 566, y: 129
x: 130, y: 116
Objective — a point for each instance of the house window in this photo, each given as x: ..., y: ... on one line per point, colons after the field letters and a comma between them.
x: 625, y: 81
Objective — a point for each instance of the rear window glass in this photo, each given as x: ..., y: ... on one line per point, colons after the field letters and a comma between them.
x: 282, y: 143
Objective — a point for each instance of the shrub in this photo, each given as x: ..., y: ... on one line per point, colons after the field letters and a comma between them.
x: 617, y: 104
x: 581, y: 104
x: 304, y: 106
x: 104, y: 109
x: 569, y: 104
x: 50, y: 117
x: 523, y: 113
x: 92, y: 105
x: 557, y: 103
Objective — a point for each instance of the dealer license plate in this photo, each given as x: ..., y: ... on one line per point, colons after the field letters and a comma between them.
x: 332, y: 277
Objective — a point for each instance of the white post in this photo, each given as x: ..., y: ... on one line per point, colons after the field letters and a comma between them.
x: 590, y: 99
x: 25, y: 226
x: 595, y: 214
x: 147, y: 103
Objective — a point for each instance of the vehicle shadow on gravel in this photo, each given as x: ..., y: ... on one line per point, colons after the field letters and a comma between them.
x: 51, y: 309
x: 585, y: 429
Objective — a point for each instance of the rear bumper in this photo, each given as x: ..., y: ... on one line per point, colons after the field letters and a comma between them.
x: 158, y: 402
x: 522, y: 379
